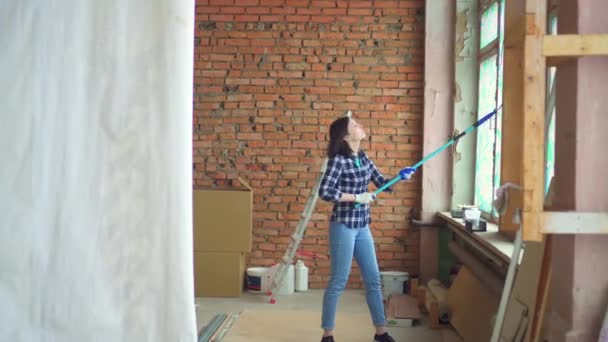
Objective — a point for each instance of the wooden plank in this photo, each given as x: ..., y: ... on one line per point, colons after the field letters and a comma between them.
x: 491, y: 243
x: 488, y: 277
x: 472, y: 307
x: 515, y: 323
x: 527, y: 280
x: 514, y: 35
x: 574, y: 45
x: 512, y: 118
x: 533, y: 136
x: 572, y: 222
x: 542, y: 292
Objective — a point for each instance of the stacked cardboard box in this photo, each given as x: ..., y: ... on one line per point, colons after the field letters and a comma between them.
x: 222, y: 237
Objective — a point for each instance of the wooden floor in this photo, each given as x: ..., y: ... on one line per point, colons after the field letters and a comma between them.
x: 297, y: 317
x: 296, y: 326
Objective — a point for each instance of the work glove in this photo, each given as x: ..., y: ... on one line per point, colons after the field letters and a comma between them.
x: 365, y: 198
x: 407, y: 173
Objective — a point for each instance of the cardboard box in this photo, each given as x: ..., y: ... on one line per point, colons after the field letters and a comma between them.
x: 223, y: 219
x: 402, y: 311
x: 219, y: 274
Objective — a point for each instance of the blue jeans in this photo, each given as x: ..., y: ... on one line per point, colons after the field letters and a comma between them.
x: 345, y: 243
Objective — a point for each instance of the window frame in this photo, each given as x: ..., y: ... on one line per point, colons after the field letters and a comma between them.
x: 491, y: 49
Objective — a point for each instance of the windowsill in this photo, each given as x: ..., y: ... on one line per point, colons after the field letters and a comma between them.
x: 491, y: 242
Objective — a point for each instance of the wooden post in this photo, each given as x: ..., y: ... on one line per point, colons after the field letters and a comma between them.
x: 512, y: 119
x: 533, y: 134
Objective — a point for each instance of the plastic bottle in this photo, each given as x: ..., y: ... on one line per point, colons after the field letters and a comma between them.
x: 301, y: 277
x: 287, y: 287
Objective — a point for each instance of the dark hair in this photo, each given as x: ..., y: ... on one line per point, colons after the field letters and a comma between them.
x: 337, y: 145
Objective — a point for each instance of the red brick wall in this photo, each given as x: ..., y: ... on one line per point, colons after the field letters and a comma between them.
x: 270, y: 75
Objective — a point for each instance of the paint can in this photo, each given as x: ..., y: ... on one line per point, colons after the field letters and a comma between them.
x: 393, y: 282
x: 257, y: 279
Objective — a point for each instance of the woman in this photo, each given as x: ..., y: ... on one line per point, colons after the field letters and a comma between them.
x: 344, y: 183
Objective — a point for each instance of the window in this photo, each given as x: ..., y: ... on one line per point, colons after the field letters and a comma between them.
x: 550, y: 130
x: 491, y: 46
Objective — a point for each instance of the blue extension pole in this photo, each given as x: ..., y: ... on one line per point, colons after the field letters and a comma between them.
x: 407, y: 170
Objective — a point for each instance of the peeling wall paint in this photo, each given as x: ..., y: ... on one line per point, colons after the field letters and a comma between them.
x: 438, y: 124
x: 466, y: 41
x: 462, y: 34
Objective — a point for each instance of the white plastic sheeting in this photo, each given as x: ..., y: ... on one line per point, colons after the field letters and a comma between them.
x: 96, y: 170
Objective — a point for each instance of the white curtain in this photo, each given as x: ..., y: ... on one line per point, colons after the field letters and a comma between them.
x: 96, y: 170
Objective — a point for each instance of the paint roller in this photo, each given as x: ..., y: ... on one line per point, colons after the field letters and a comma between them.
x: 407, y: 172
x: 501, y: 201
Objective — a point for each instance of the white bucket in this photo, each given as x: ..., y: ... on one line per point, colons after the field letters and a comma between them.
x: 288, y: 285
x: 392, y: 282
x: 257, y: 279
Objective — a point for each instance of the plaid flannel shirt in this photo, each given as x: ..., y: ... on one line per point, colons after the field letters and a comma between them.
x: 344, y: 176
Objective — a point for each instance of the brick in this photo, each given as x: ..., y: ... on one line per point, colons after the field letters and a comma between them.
x: 246, y: 2
x: 343, y: 91
x: 263, y: 42
x: 412, y: 4
x: 286, y: 74
x: 368, y: 76
x: 359, y: 11
x: 296, y: 3
x: 214, y: 73
x: 233, y: 10
x: 395, y: 92
x: 270, y: 18
x: 319, y: 67
x: 322, y: 19
x: 208, y: 9
x: 282, y: 10
x: 315, y: 74
x: 357, y: 68
x: 369, y: 91
x: 308, y: 11
x: 221, y: 65
x: 221, y: 17
x: 317, y: 90
x: 350, y: 19
x: 359, y: 99
x: 334, y: 11
x: 309, y: 43
x: 365, y: 60
x: 257, y: 10
x: 385, y: 68
x: 236, y: 42
x: 415, y: 77
x: 322, y: 3
x: 387, y: 84
x: 393, y: 77
x: 246, y: 18
x: 340, y: 75
x: 237, y: 81
x: 271, y: 3
x: 360, y: 4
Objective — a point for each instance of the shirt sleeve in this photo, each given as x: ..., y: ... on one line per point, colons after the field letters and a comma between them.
x: 377, y: 177
x: 328, y: 190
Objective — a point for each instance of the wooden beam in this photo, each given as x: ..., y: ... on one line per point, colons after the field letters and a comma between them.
x: 533, y: 135
x: 573, y: 45
x: 542, y: 291
x: 512, y: 117
x: 514, y: 34
x: 572, y: 222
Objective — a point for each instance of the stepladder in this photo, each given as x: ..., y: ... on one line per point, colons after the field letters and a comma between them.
x: 280, y: 270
